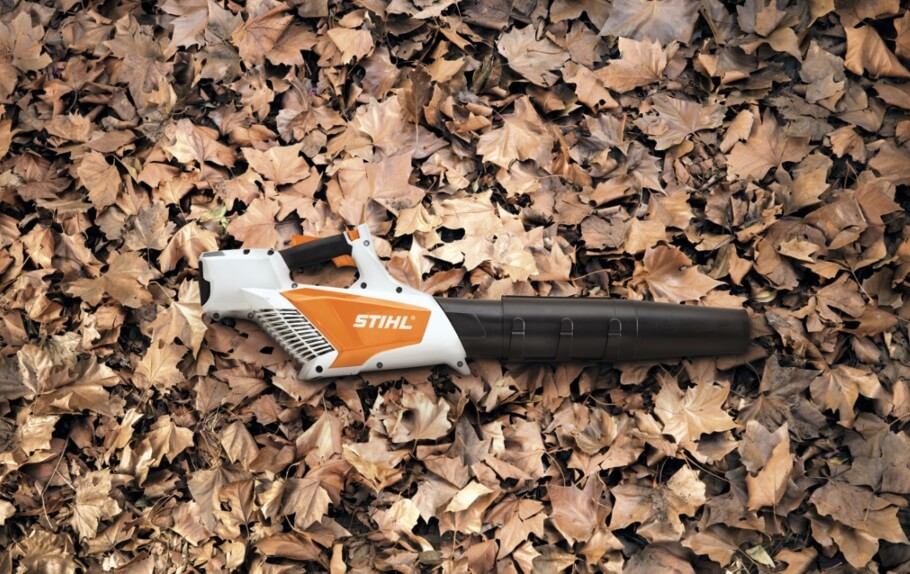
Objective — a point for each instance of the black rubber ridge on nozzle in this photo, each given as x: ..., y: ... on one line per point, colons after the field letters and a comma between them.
x: 575, y: 329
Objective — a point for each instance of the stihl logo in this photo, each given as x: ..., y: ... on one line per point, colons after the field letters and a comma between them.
x: 399, y: 322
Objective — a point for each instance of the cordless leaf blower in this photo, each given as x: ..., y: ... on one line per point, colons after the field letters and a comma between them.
x: 380, y: 324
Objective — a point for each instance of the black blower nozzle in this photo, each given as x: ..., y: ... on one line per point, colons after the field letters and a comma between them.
x: 568, y: 329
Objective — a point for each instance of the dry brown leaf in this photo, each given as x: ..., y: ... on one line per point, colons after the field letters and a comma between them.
x: 280, y: 164
x: 862, y: 519
x: 375, y: 463
x: 307, y: 500
x: 158, y: 368
x: 101, y: 179
x: 420, y: 418
x: 125, y: 281
x: 658, y: 510
x: 151, y: 228
x: 21, y: 49
x: 767, y: 147
x: 93, y: 503
x: 256, y: 227
x: 641, y: 63
x: 354, y: 44
x: 867, y: 52
x: 661, y: 20
x: 259, y: 34
x: 691, y: 413
x: 578, y: 512
x: 677, y: 119
x: 840, y: 387
x: 521, y: 137
x: 533, y: 58
x: 670, y: 276
x: 189, y: 144
x: 767, y: 487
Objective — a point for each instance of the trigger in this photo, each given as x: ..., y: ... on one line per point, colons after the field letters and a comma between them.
x: 340, y: 261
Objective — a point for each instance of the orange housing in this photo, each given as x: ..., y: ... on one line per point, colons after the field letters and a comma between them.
x: 360, y: 327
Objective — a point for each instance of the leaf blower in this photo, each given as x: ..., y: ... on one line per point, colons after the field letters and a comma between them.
x: 380, y: 324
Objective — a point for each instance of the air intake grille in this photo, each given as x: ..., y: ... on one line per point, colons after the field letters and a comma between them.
x: 297, y: 336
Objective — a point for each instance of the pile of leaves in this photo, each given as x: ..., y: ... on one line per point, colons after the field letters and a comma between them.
x: 686, y: 151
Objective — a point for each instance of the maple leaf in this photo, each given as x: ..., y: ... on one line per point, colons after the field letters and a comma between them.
x: 238, y: 443
x: 188, y: 525
x: 578, y: 512
x: 767, y: 487
x: 354, y: 44
x: 93, y: 503
x: 190, y: 143
x: 902, y: 26
x: 867, y: 52
x: 838, y: 389
x: 766, y: 148
x: 677, y: 119
x: 375, y: 463
x: 862, y: 519
x: 188, y: 244
x: 465, y: 511
x: 190, y: 24
x: 256, y: 226
x: 661, y: 20
x: 521, y: 137
x: 125, y: 280
x: 640, y: 64
x: 259, y: 34
x: 35, y: 433
x: 518, y: 519
x: 158, y: 368
x: 182, y: 319
x: 20, y: 49
x: 421, y: 418
x: 100, y: 178
x: 670, y: 276
x: 658, y: 510
x: 280, y: 164
x: 589, y: 87
x: 151, y: 228
x: 690, y: 414
x: 532, y: 58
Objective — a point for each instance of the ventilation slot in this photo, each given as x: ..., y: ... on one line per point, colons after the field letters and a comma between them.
x: 297, y: 336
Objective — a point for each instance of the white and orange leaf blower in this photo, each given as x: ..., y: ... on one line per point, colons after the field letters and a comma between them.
x: 380, y: 324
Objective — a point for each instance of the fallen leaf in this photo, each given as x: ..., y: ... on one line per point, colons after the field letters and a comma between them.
x: 641, y: 63
x: 660, y: 20
x: 578, y: 512
x: 658, y: 510
x: 691, y: 413
x: 867, y: 52
x: 125, y: 280
x: 766, y: 148
x: 280, y: 164
x: 354, y: 44
x: 93, y: 503
x: 420, y: 418
x: 521, y: 137
x: 670, y: 276
x: 259, y: 34
x: 532, y: 58
x: 307, y: 500
x: 100, y: 178
x: 767, y: 487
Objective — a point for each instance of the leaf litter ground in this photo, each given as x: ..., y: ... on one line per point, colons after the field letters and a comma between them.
x: 692, y: 152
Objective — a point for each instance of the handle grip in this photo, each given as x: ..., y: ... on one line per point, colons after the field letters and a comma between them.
x: 521, y: 329
x: 316, y: 251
